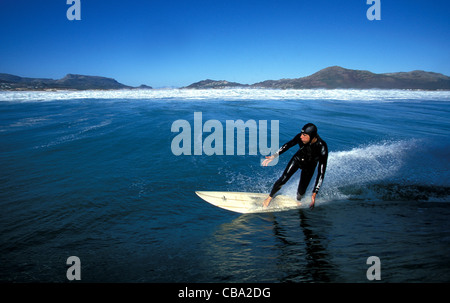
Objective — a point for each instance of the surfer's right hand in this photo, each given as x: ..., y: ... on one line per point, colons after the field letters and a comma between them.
x: 268, y: 160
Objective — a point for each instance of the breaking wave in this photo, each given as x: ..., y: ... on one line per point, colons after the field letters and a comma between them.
x: 377, y: 172
x: 387, y: 172
x: 229, y: 94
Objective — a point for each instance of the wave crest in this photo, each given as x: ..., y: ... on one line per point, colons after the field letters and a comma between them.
x: 229, y: 94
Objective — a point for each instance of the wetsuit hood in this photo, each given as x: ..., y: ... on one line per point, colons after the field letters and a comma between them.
x: 311, y: 130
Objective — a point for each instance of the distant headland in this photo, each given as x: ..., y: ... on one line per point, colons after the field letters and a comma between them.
x: 69, y: 82
x: 334, y: 77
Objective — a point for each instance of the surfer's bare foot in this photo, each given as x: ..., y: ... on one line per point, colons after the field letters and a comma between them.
x: 267, y: 201
x: 299, y: 203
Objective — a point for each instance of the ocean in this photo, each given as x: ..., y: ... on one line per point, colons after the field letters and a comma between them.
x: 94, y: 174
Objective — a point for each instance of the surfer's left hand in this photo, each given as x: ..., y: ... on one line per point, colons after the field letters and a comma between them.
x: 313, y: 200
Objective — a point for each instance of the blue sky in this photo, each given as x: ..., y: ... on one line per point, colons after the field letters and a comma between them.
x: 175, y: 43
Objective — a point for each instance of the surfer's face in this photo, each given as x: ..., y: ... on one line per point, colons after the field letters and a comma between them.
x: 305, y: 138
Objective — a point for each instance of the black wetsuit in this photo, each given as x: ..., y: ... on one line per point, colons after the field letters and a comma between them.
x: 306, y: 159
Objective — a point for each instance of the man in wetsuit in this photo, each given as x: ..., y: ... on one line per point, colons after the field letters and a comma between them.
x: 312, y: 150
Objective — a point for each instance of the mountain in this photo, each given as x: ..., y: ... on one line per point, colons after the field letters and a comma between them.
x: 339, y: 77
x: 81, y: 82
x: 70, y: 81
x: 206, y: 84
x: 330, y: 78
x: 143, y: 86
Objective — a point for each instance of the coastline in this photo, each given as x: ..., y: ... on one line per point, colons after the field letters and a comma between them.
x: 334, y: 77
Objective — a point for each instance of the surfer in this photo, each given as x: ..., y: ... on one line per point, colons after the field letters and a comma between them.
x: 312, y: 150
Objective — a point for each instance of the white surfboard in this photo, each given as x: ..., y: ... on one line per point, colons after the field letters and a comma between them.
x: 243, y: 202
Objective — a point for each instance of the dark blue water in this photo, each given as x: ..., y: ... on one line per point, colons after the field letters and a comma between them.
x: 96, y: 178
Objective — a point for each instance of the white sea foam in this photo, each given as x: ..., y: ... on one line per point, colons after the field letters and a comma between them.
x: 77, y: 135
x: 367, y: 164
x: 228, y: 94
x: 358, y: 167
